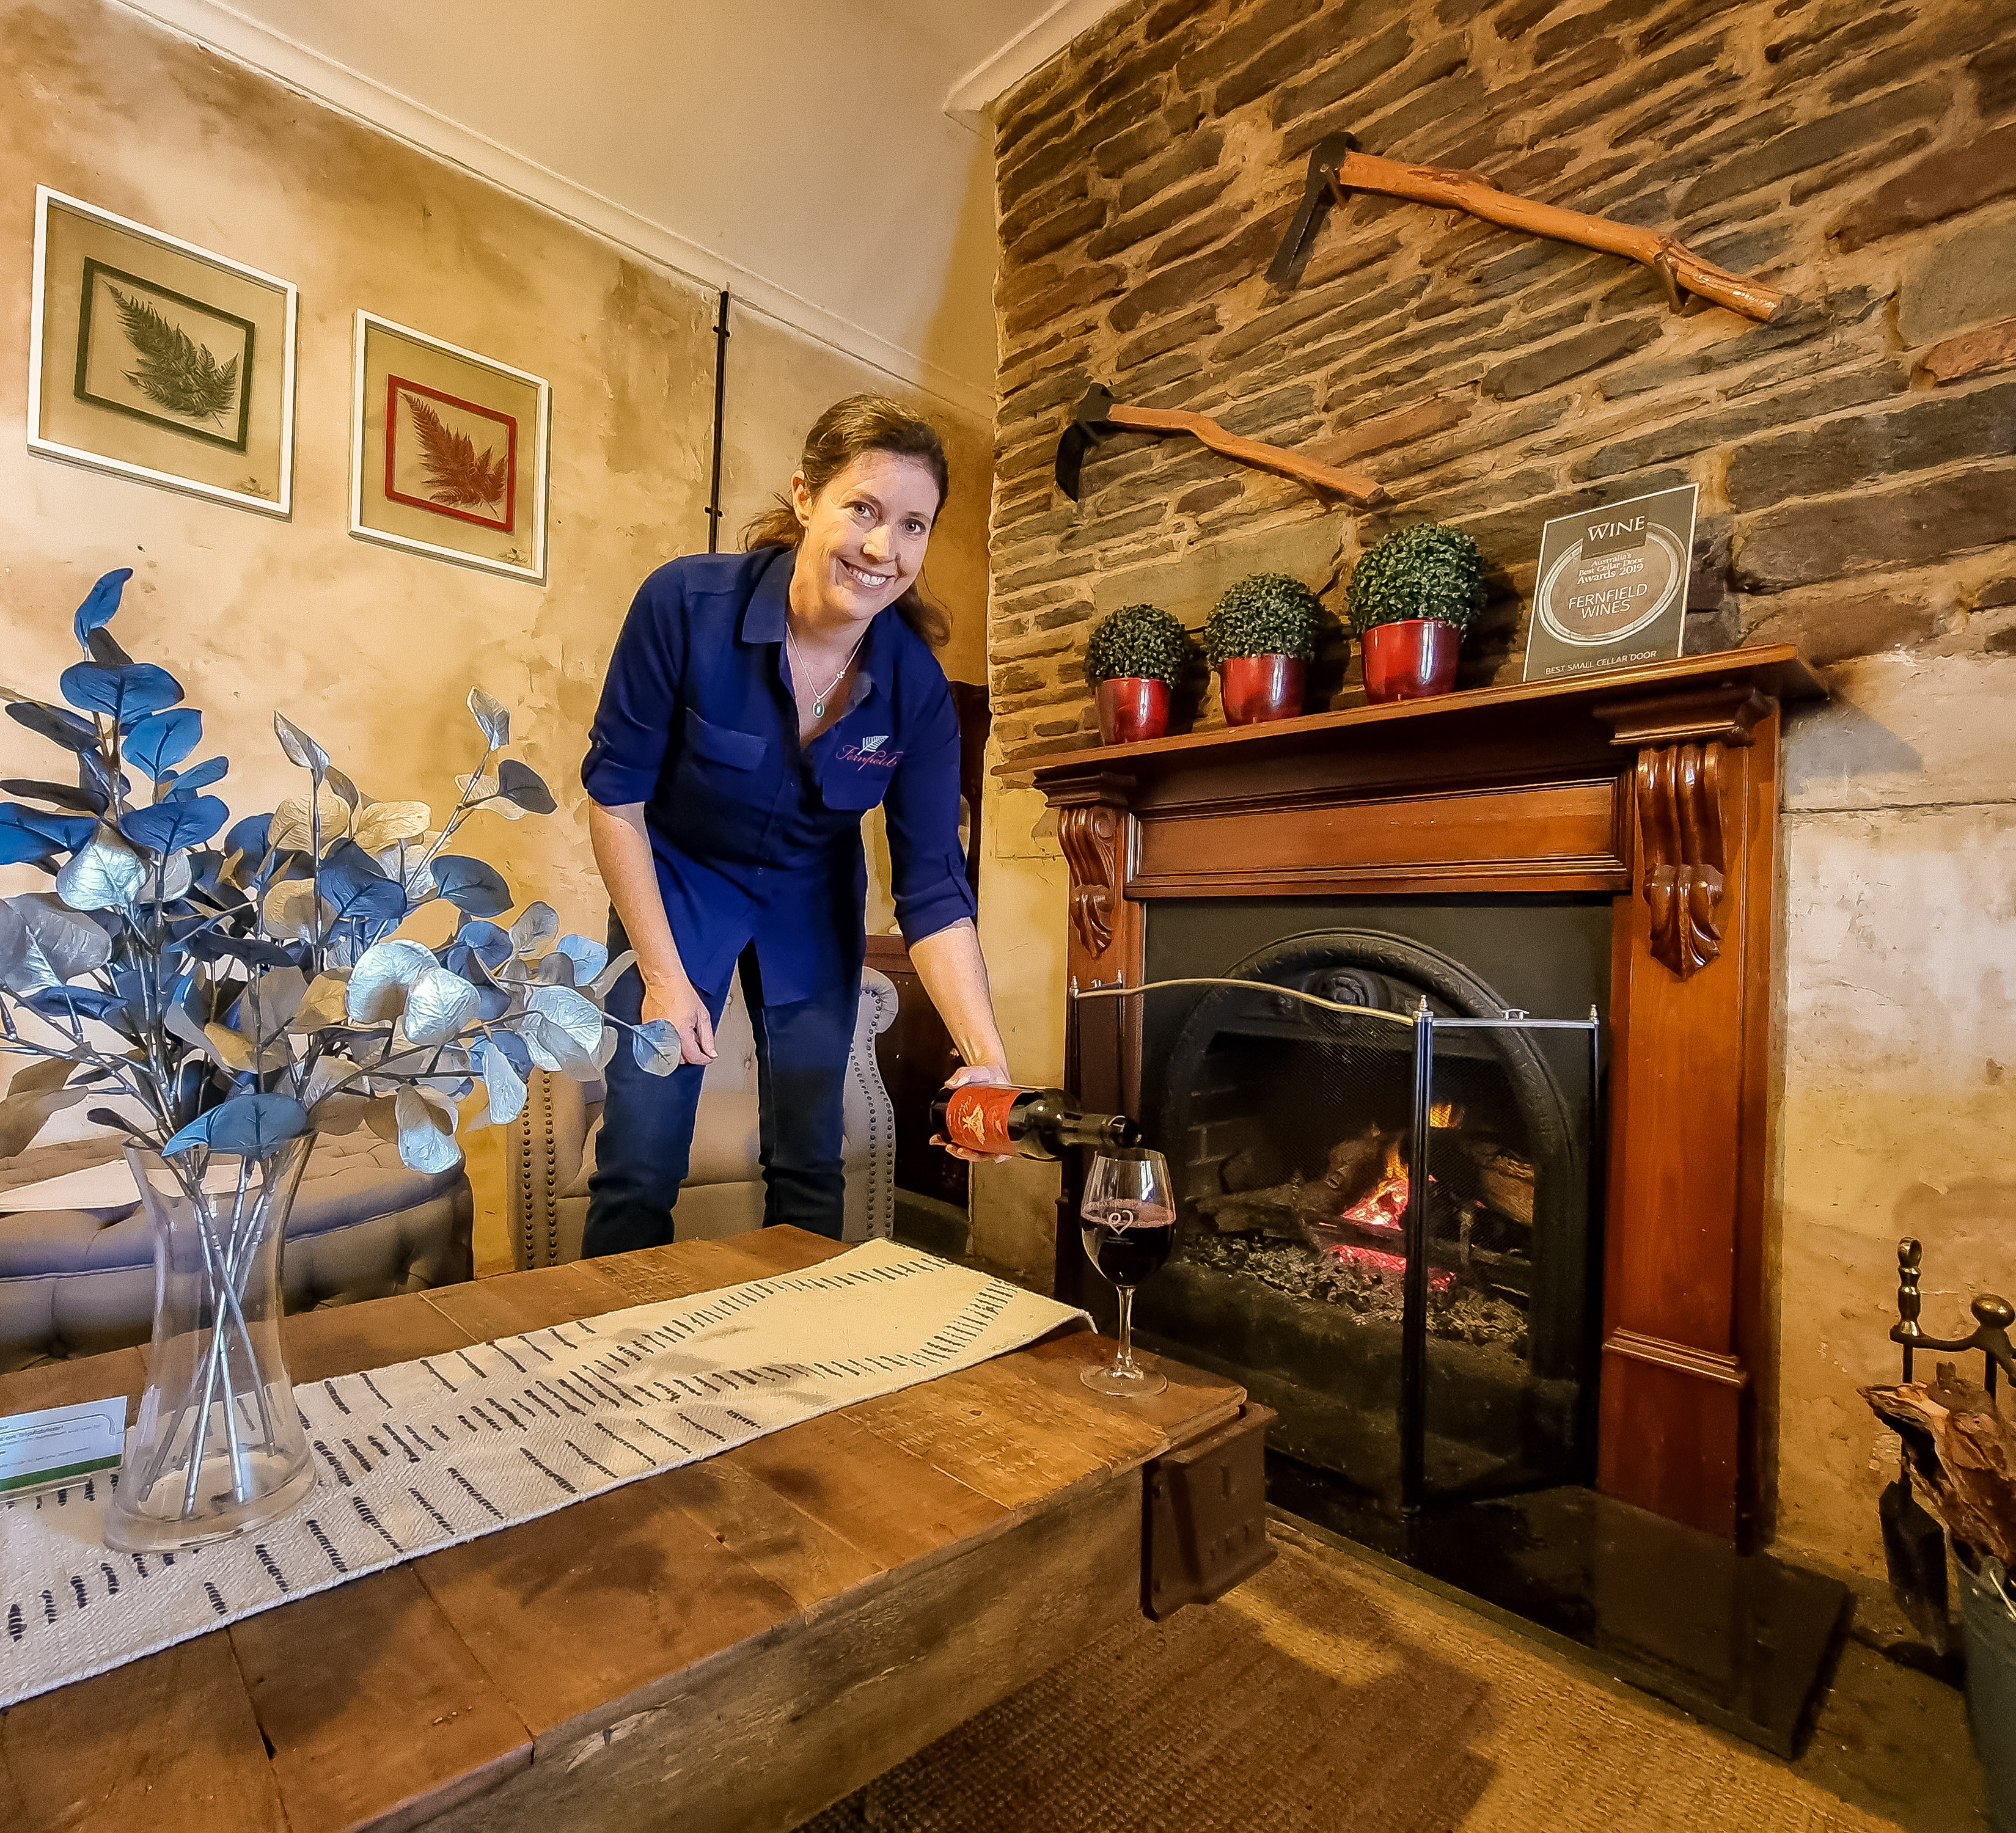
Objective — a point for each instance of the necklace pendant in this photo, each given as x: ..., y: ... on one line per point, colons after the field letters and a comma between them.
x: 818, y: 709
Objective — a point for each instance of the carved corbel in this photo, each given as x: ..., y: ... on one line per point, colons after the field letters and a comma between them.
x: 1090, y: 826
x: 1089, y: 833
x: 1679, y: 739
x: 1680, y: 852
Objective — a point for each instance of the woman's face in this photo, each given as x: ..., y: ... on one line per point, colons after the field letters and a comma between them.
x: 865, y: 534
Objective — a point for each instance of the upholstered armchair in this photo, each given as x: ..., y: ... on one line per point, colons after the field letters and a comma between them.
x: 73, y: 1282
x: 550, y: 1151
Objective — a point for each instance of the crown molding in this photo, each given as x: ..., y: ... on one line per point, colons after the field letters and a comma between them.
x: 323, y: 79
x: 968, y: 99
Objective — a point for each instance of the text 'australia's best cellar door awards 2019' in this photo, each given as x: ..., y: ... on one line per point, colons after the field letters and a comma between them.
x: 1612, y: 587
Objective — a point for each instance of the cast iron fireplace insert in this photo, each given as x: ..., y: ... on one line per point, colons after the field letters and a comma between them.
x: 1387, y: 1214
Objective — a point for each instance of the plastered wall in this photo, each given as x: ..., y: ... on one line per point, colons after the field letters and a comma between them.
x: 373, y: 651
x: 1898, y: 1039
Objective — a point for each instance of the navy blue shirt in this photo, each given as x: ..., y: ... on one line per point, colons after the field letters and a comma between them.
x: 758, y: 838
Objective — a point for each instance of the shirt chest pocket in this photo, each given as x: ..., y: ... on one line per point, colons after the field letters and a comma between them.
x: 723, y: 754
x: 853, y: 781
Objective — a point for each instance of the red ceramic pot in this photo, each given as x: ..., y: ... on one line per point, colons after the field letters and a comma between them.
x: 1132, y: 706
x: 1410, y: 661
x: 1260, y: 687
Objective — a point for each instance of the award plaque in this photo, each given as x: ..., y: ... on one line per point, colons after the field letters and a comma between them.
x: 1612, y: 587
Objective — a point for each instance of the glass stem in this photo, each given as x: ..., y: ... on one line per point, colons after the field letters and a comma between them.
x: 1123, y: 1360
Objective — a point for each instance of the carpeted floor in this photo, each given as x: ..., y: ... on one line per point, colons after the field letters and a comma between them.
x: 1324, y: 1695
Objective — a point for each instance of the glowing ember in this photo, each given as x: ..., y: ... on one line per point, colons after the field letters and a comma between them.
x: 1385, y: 1210
x: 1445, y: 1113
x: 1375, y: 1260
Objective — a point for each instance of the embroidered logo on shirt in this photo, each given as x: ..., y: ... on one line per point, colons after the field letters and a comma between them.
x: 875, y: 743
x: 870, y: 751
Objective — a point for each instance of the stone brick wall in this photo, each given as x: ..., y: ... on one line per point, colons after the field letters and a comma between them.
x: 1858, y: 495
x: 1862, y: 159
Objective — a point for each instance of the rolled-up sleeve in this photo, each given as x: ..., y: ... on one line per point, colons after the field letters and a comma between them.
x: 640, y: 696
x: 922, y: 812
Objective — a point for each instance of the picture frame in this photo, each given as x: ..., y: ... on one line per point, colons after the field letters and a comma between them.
x: 153, y: 359
x: 449, y: 451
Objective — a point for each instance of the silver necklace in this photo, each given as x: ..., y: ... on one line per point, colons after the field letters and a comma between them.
x: 818, y: 700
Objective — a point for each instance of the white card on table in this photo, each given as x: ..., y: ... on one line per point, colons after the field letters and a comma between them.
x: 60, y: 1444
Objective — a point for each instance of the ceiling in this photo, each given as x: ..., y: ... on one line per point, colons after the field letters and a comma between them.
x: 829, y: 163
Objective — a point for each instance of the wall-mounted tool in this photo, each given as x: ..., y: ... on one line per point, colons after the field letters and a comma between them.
x: 1336, y: 168
x: 1099, y: 415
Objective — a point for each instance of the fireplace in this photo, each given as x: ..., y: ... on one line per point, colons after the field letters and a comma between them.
x: 1295, y: 1132
x: 1591, y: 1243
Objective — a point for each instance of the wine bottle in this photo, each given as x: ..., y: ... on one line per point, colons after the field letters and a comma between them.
x: 1028, y: 1122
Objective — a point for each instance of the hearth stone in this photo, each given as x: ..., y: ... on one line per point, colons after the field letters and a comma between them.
x: 1742, y: 1642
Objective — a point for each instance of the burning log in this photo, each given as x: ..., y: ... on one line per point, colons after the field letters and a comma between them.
x: 1356, y: 1169
x: 1357, y: 1211
x: 1963, y: 1452
x: 1507, y: 1183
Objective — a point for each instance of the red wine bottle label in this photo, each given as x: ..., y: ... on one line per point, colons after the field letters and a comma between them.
x: 976, y: 1117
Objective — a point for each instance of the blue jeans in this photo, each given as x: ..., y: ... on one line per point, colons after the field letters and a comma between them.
x: 647, y: 1121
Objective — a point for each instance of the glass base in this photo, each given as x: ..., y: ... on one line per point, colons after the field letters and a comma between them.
x: 1136, y: 1383
x: 165, y: 1533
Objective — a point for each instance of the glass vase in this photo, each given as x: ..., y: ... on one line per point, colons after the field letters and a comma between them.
x: 219, y: 1446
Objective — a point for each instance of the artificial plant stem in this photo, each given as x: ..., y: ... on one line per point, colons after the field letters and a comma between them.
x: 190, y: 1184
x: 245, y: 1232
x: 220, y: 1282
x: 200, y: 1432
x: 253, y: 977
x: 215, y: 1270
x: 462, y: 807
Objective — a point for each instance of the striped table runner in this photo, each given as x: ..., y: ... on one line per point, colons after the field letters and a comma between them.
x: 424, y: 1454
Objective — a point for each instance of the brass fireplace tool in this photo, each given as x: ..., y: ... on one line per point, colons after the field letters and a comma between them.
x: 1913, y: 1541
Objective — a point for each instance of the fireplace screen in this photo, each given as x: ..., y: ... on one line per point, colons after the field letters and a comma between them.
x: 1385, y: 1214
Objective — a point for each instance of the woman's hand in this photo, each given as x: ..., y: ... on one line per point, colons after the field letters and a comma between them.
x: 674, y: 1001
x: 969, y: 1072
x: 949, y: 963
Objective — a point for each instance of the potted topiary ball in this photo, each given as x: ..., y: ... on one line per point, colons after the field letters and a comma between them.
x: 1133, y: 659
x: 1411, y: 597
x: 1261, y: 638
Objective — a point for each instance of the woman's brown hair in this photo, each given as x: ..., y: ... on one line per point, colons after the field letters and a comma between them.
x: 861, y: 423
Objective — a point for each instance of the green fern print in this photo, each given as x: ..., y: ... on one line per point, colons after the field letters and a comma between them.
x: 175, y: 372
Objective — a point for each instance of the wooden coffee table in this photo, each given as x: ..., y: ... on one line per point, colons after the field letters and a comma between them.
x: 732, y: 1645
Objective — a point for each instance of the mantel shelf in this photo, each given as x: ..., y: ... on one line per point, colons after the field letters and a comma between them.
x: 1773, y: 669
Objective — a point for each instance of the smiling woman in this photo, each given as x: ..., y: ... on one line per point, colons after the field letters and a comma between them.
x: 756, y: 707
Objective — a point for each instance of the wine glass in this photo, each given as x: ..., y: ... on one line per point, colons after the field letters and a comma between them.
x: 1130, y: 1222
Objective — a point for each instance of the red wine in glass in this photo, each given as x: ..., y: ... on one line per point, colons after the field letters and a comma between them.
x: 1127, y: 1241
x: 1130, y: 1223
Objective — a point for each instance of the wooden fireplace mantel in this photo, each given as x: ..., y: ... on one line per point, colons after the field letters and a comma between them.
x: 1657, y: 786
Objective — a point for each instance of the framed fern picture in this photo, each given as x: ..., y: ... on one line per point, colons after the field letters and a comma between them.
x: 448, y: 455
x: 155, y: 360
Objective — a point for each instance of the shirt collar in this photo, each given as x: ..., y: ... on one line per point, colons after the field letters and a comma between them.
x: 764, y: 622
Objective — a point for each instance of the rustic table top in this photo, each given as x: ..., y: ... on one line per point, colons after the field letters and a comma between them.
x: 387, y: 1701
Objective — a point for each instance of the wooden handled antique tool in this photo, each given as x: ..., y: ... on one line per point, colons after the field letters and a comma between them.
x: 1336, y: 168
x: 1914, y: 1543
x: 1098, y: 414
